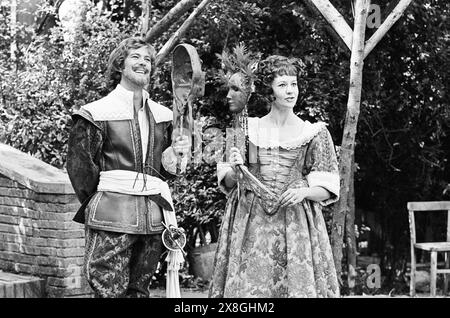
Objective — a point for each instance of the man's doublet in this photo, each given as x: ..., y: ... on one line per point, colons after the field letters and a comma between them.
x: 106, y: 136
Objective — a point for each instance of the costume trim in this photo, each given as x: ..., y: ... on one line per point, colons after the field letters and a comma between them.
x: 268, y: 138
x: 118, y: 105
x: 327, y: 180
x: 86, y: 115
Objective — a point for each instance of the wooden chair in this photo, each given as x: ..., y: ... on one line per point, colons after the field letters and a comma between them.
x: 433, y: 247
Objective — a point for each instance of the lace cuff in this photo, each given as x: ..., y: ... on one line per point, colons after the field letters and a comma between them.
x: 327, y: 180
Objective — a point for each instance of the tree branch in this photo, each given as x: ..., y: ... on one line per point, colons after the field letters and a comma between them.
x: 387, y: 24
x: 174, y: 14
x: 334, y: 18
x: 170, y: 44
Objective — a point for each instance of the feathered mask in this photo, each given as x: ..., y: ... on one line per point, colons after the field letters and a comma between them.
x: 238, y: 61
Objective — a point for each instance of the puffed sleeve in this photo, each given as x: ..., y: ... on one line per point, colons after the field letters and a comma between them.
x: 322, y: 166
x: 83, y: 157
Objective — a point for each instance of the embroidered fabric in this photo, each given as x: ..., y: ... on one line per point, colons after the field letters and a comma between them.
x: 274, y: 178
x: 279, y: 168
x: 124, y: 181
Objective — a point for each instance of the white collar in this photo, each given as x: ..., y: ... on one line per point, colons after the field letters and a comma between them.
x: 260, y: 136
x: 118, y: 105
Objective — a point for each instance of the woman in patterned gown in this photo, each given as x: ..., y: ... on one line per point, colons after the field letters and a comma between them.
x: 273, y: 240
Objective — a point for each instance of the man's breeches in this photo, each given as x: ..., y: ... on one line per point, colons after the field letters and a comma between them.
x: 121, y: 265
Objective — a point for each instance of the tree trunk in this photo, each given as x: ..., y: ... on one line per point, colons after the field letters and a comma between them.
x: 173, y: 15
x: 350, y: 126
x: 350, y: 233
x: 170, y: 44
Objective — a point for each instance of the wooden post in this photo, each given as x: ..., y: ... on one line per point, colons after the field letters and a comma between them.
x: 433, y: 273
x: 350, y: 233
x: 351, y: 121
x: 170, y: 44
x: 173, y: 15
x: 412, y: 233
x: 358, y: 52
x: 447, y: 255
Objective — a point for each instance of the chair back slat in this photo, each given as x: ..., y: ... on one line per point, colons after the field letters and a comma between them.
x: 429, y: 206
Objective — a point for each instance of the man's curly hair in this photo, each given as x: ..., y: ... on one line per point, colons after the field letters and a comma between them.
x: 273, y: 66
x: 120, y: 53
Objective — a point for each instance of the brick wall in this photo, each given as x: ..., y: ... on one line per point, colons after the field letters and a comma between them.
x: 37, y: 234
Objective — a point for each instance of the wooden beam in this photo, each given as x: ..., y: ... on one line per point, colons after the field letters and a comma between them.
x: 170, y: 44
x: 314, y: 15
x: 172, y: 16
x: 350, y: 127
x: 386, y: 25
x: 337, y: 21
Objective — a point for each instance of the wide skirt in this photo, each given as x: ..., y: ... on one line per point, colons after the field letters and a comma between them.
x: 287, y: 254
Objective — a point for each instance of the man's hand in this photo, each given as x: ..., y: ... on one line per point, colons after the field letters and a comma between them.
x: 181, y: 146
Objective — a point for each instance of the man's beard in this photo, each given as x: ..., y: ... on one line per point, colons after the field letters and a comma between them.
x: 140, y: 80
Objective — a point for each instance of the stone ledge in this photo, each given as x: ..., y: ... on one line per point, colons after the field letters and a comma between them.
x: 20, y: 286
x: 32, y: 172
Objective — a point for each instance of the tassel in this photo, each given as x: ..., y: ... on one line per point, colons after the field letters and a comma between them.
x: 174, y: 261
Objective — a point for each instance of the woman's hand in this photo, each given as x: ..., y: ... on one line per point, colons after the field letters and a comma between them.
x: 235, y: 158
x: 293, y: 196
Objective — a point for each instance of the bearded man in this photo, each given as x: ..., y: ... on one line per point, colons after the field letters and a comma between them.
x: 115, y: 166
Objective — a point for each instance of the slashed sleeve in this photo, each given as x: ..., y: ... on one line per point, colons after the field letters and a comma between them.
x: 322, y: 166
x: 83, y: 157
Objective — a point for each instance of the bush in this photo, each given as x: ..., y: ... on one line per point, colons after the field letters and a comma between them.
x: 62, y: 71
x: 55, y: 78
